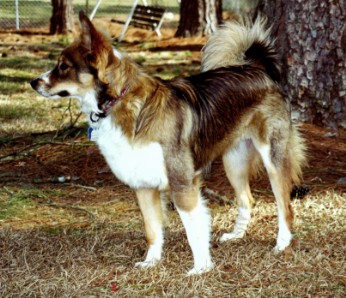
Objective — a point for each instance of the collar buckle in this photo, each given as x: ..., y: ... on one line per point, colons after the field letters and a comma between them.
x: 108, y: 106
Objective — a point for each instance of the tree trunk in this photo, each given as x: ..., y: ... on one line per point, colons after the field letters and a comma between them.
x: 311, y: 38
x: 61, y: 21
x: 199, y: 17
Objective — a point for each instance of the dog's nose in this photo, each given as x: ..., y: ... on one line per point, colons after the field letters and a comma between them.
x: 34, y: 83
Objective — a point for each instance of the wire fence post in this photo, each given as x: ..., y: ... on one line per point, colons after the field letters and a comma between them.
x: 17, y: 13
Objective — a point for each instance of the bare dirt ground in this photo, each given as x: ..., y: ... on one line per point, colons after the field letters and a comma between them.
x: 69, y: 228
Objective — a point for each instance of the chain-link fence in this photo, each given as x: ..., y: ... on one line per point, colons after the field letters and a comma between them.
x: 27, y: 14
x: 17, y: 14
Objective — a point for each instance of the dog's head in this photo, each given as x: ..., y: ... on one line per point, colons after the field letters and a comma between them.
x: 83, y: 68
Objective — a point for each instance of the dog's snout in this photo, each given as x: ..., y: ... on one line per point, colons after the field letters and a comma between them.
x: 34, y: 83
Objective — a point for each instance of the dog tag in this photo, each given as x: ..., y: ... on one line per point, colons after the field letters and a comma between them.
x: 92, y: 134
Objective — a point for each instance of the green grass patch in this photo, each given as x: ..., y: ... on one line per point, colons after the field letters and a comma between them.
x: 22, y: 63
x: 16, y: 73
x: 14, y: 80
x: 9, y: 112
x: 15, y: 204
x: 18, y: 203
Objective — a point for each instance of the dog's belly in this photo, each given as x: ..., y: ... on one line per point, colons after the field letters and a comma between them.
x: 139, y: 166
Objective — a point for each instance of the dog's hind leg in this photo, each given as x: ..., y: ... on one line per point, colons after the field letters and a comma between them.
x: 150, y: 204
x: 197, y: 222
x: 277, y: 164
x: 238, y: 163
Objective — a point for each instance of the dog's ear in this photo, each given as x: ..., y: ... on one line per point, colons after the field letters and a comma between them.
x: 88, y: 31
x: 99, y: 50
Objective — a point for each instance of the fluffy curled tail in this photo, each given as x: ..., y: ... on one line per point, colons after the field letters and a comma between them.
x: 297, y: 153
x: 241, y: 43
x: 297, y: 159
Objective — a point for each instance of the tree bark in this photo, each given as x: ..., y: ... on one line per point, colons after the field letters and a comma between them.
x: 61, y: 21
x: 312, y: 46
x: 199, y: 17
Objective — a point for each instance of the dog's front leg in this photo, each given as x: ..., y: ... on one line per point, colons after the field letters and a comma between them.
x: 197, y: 222
x: 150, y: 205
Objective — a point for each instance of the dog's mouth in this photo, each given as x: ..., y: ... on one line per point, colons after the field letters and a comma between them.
x: 63, y: 93
x: 39, y: 86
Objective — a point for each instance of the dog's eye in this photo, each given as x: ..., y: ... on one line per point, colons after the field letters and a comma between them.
x: 63, y: 66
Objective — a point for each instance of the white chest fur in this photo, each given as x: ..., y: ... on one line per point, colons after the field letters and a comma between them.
x: 139, y: 166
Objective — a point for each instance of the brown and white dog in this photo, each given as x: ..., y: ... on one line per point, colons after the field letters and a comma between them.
x: 158, y: 135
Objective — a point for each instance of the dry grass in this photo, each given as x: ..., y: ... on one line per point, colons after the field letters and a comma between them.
x: 92, y: 259
x: 82, y: 237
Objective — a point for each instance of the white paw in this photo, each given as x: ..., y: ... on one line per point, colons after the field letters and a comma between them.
x: 232, y: 236
x: 280, y: 248
x: 200, y: 270
x: 147, y: 264
x: 281, y: 244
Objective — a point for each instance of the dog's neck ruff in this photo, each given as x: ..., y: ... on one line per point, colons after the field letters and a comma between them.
x: 107, y: 106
